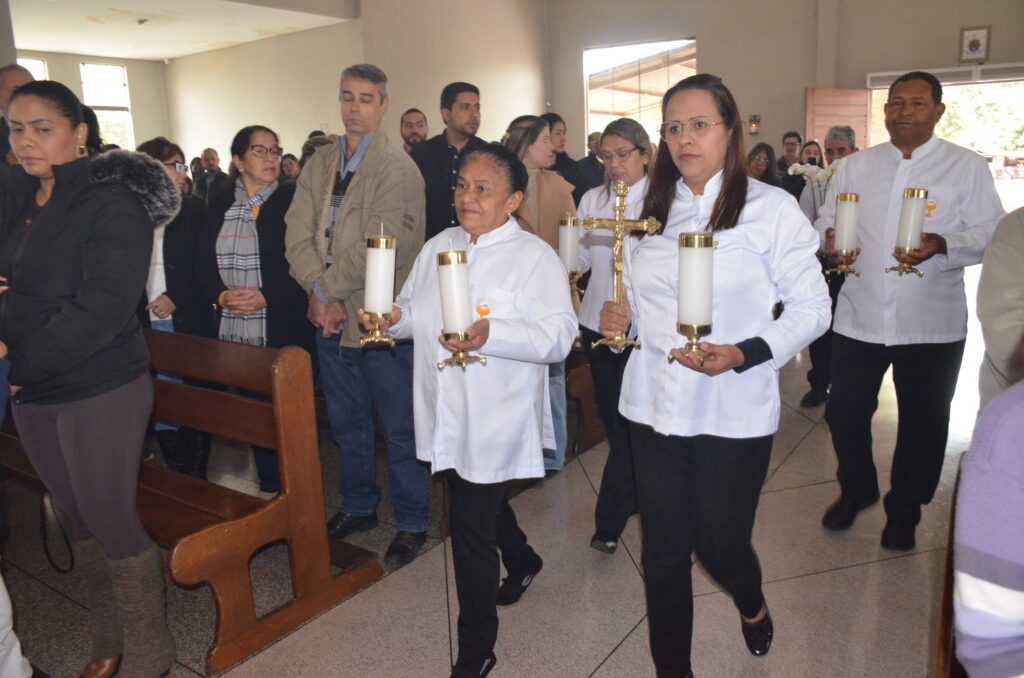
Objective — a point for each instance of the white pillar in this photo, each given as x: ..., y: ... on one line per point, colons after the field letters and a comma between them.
x: 7, y: 52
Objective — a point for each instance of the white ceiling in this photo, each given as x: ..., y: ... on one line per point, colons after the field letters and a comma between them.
x: 159, y: 29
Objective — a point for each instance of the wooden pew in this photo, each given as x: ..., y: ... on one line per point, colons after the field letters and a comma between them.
x: 212, y: 531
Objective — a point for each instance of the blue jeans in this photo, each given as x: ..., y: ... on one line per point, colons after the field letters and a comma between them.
x: 555, y: 459
x: 355, y: 382
x: 164, y: 325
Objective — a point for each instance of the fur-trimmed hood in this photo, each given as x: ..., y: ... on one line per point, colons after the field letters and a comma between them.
x: 144, y: 176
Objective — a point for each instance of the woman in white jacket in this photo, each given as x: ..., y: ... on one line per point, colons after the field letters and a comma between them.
x: 489, y: 424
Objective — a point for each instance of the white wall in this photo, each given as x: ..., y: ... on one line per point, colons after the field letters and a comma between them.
x: 147, y: 90
x: 288, y: 83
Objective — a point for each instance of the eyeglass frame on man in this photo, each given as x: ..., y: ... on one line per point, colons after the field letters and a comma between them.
x: 688, y: 127
x: 261, y: 151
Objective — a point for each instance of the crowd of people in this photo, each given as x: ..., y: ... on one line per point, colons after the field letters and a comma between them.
x: 95, y: 245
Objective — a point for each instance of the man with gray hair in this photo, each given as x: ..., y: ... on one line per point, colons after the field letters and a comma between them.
x: 840, y: 141
x: 363, y: 185
x: 12, y: 76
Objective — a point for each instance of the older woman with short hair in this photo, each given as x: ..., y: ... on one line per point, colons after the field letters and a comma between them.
x: 486, y: 426
x: 245, y: 270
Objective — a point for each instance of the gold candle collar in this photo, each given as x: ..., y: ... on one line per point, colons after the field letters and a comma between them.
x: 849, y: 197
x: 451, y: 257
x: 696, y: 240
x: 915, y: 193
x: 381, y: 242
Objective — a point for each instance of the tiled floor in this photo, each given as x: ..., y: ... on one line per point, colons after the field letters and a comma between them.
x: 843, y: 606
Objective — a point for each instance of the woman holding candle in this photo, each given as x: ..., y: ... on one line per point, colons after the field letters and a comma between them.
x: 485, y: 425
x: 548, y: 198
x: 244, y: 271
x: 624, y: 152
x: 702, y: 431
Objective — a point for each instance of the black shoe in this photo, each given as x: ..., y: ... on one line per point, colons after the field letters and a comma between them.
x: 898, y: 535
x: 478, y: 670
x: 342, y: 524
x: 604, y: 545
x: 167, y: 440
x: 813, y: 398
x: 758, y: 635
x: 405, y: 546
x: 513, y: 588
x: 843, y: 512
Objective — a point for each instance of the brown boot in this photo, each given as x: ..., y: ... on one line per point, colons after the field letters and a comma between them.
x: 91, y: 565
x: 140, y: 591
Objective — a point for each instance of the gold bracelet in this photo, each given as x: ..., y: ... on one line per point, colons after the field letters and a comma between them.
x: 220, y: 299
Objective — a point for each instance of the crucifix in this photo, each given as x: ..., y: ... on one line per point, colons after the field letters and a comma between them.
x: 619, y: 226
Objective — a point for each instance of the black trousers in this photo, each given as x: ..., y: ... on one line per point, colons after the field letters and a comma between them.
x: 481, y: 523
x: 697, y: 494
x: 616, y: 500
x: 925, y: 379
x: 87, y: 452
x: 820, y: 374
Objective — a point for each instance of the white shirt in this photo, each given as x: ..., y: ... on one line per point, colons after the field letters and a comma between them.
x: 491, y: 422
x: 885, y: 308
x: 156, y: 282
x: 596, y: 247
x: 769, y: 255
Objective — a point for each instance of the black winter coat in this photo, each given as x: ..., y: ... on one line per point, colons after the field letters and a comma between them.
x: 287, y: 302
x: 76, y: 276
x: 183, y: 244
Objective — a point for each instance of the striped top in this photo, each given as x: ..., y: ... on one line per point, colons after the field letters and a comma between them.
x: 988, y: 548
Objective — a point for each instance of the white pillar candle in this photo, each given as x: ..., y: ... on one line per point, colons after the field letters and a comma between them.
x: 453, y: 280
x: 911, y: 218
x: 847, y: 213
x: 379, y: 291
x: 569, y: 243
x: 696, y: 259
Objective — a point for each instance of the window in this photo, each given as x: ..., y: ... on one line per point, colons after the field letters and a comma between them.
x: 105, y: 90
x: 37, y: 67
x: 629, y: 81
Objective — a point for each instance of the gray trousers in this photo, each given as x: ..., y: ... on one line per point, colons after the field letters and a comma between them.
x: 87, y: 453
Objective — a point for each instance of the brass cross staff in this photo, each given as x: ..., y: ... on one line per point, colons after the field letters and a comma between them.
x: 619, y: 226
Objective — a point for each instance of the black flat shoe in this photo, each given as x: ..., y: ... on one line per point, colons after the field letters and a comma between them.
x: 898, y: 535
x: 841, y: 514
x: 604, y: 545
x: 477, y: 670
x: 758, y: 635
x: 342, y: 524
x: 513, y: 587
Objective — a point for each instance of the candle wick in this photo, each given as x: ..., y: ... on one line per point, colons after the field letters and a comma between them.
x: 451, y: 244
x: 382, y: 228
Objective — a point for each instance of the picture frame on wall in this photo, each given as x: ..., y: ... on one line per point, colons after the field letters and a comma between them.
x: 974, y: 43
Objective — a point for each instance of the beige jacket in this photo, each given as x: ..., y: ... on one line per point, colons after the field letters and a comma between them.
x: 386, y: 187
x: 554, y: 196
x: 1001, y: 307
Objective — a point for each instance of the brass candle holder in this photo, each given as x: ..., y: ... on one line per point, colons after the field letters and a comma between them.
x: 844, y: 267
x: 377, y: 336
x: 693, y: 333
x: 904, y: 267
x: 460, y: 358
x: 619, y: 226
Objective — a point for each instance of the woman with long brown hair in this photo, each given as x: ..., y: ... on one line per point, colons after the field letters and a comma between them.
x: 702, y: 431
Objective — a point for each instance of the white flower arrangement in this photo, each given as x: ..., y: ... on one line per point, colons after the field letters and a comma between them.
x: 813, y: 174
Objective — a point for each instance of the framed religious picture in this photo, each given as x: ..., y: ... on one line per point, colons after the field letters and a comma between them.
x: 974, y: 44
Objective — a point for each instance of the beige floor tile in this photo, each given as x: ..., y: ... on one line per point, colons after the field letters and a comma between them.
x: 397, y: 627
x: 821, y: 630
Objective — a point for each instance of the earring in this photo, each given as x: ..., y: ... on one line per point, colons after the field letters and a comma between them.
x: 82, y: 152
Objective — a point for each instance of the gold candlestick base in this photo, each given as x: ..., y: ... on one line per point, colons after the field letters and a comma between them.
x: 377, y: 337
x: 460, y: 358
x: 618, y: 343
x: 904, y: 267
x: 693, y: 333
x: 844, y: 268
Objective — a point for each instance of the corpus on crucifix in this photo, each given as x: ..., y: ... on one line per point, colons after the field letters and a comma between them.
x: 619, y: 226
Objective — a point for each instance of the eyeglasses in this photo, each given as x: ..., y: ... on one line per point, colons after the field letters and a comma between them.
x: 261, y: 151
x: 697, y: 128
x: 621, y: 156
x: 178, y: 166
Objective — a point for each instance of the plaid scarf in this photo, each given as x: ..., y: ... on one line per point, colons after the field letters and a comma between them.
x: 238, y: 261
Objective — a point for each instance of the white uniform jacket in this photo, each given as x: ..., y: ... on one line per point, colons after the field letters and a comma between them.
x: 768, y: 256
x: 491, y: 422
x: 963, y: 207
x: 596, y: 247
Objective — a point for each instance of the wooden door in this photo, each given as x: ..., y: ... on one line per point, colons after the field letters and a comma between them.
x: 828, y: 107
